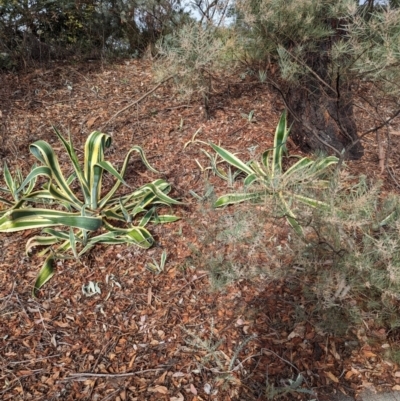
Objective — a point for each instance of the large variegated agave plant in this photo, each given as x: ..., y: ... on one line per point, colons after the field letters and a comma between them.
x: 269, y: 178
x: 90, y: 218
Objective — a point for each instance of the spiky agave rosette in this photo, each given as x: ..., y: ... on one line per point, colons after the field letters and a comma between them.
x: 119, y: 218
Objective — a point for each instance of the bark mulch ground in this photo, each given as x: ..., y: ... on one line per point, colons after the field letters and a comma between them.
x: 182, y: 334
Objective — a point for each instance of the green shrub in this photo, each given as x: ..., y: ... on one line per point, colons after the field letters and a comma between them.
x: 192, y: 55
x: 348, y: 259
x: 94, y: 216
x: 346, y: 256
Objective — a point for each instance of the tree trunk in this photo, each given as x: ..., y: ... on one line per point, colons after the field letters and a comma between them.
x: 321, y: 112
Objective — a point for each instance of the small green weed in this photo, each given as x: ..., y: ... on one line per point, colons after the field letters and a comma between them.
x: 216, y: 361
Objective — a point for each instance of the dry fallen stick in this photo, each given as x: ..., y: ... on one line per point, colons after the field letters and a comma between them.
x: 111, y: 375
x: 28, y: 361
x: 190, y: 282
x: 137, y: 100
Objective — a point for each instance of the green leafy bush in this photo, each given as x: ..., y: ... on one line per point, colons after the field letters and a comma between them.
x: 122, y: 218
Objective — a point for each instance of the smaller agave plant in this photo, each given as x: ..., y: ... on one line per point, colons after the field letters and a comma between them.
x: 91, y: 216
x: 269, y: 178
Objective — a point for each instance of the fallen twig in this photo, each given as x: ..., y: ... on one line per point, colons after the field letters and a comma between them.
x: 190, y: 282
x: 111, y: 375
x: 392, y: 176
x: 137, y: 100
x: 29, y: 361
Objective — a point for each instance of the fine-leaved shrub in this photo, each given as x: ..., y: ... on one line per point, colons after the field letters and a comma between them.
x: 345, y: 256
x: 350, y: 256
x: 192, y: 55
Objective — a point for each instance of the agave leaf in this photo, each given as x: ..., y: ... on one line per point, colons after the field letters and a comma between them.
x: 106, y: 165
x: 153, y: 267
x: 6, y: 202
x: 59, y: 250
x: 45, y: 154
x: 198, y: 197
x: 141, y: 237
x: 141, y: 198
x: 295, y: 225
x: 31, y: 179
x: 310, y: 201
x: 258, y: 169
x: 44, y: 275
x: 193, y: 140
x: 132, y: 205
x: 72, y: 241
x: 71, y: 178
x: 39, y: 240
x: 10, y: 224
x: 54, y: 237
x: 161, y: 195
x: 265, y: 159
x: 311, y: 169
x: 231, y: 199
x: 147, y: 217
x: 140, y: 208
x: 232, y: 159
x: 75, y: 162
x: 250, y: 179
x: 6, y: 190
x: 290, y: 216
x: 214, y: 166
x: 166, y: 218
x: 111, y: 214
x: 125, y: 213
x: 116, y: 230
x: 61, y: 235
x: 118, y: 183
x: 156, y: 267
x: 95, y: 145
x: 281, y: 134
x: 56, y: 195
x: 106, y: 239
x: 52, y: 194
x: 139, y: 150
x: 163, y: 259
x: 31, y: 185
x: 324, y: 163
x: 299, y: 167
x: 23, y: 219
x: 82, y: 222
x: 9, y: 180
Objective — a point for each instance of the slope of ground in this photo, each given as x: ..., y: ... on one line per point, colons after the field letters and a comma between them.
x: 169, y: 336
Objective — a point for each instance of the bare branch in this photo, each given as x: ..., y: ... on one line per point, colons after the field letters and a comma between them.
x: 137, y: 101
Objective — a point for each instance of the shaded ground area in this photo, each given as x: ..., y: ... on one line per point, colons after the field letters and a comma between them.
x: 179, y: 335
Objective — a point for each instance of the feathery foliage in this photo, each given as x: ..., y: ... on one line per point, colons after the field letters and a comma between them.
x: 287, y: 32
x: 192, y: 54
x: 349, y: 256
